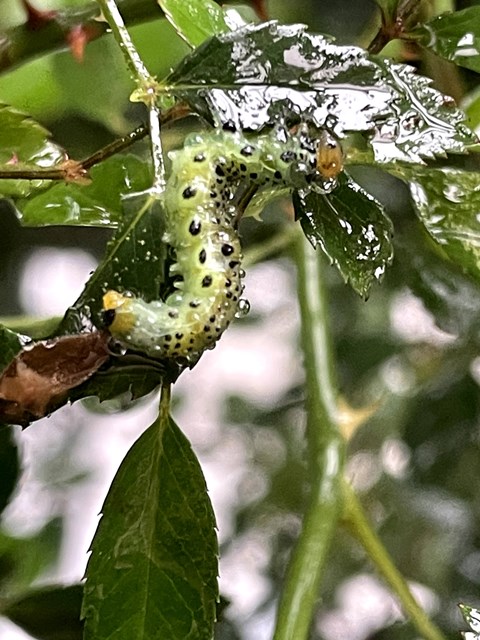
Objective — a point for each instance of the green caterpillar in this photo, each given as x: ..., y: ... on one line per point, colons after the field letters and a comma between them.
x: 201, y: 229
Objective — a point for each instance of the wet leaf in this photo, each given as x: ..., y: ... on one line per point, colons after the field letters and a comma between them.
x: 134, y: 261
x: 42, y: 373
x: 258, y: 74
x: 24, y: 144
x: 49, y: 613
x: 448, y: 204
x: 472, y: 618
x: 153, y: 569
x: 196, y: 20
x: 11, y: 343
x: 95, y: 204
x: 9, y: 465
x: 352, y: 229
x: 454, y: 36
x: 472, y: 108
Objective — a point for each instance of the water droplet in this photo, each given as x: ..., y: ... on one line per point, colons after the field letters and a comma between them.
x: 243, y: 308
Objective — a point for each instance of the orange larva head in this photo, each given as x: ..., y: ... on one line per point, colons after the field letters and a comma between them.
x: 329, y: 156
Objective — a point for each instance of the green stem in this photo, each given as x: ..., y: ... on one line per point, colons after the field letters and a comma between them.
x: 359, y: 526
x: 147, y: 88
x: 325, y: 448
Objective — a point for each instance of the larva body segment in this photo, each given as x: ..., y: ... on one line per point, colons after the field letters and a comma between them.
x: 200, y: 228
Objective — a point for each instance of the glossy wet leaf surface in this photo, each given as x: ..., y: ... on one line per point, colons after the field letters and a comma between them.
x: 134, y: 261
x: 454, y: 36
x: 352, y: 229
x: 96, y: 204
x: 472, y: 618
x: 448, y: 204
x: 24, y: 143
x: 195, y: 20
x: 259, y: 74
x: 153, y: 569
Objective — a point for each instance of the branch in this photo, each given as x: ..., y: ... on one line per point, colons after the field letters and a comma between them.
x: 77, y: 170
x: 359, y: 526
x: 325, y: 448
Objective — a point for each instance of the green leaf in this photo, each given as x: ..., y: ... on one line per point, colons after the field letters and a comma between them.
x: 153, y: 569
x: 134, y: 261
x: 195, y: 20
x: 471, y: 106
x: 472, y: 618
x: 9, y: 465
x: 258, y: 74
x: 48, y: 613
x: 454, y: 36
x: 96, y: 204
x: 24, y: 144
x: 447, y: 202
x: 352, y: 229
x: 11, y: 343
x: 22, y: 560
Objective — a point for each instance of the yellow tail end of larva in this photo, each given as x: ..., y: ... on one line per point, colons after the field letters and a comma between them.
x: 124, y: 318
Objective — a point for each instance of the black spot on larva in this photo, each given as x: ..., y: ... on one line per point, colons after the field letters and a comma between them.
x: 195, y: 227
x: 229, y: 294
x: 219, y: 171
x: 168, y: 337
x: 177, y: 345
x: 207, y: 281
x: 254, y: 175
x: 228, y: 282
x: 108, y: 317
x: 243, y: 167
x: 202, y: 256
x: 288, y: 156
x: 247, y: 151
x: 278, y: 175
x: 173, y: 314
x: 211, y: 319
x: 189, y: 192
x: 194, y: 305
x: 229, y: 125
x: 233, y: 263
x: 200, y: 157
x: 206, y: 328
x: 192, y: 340
x: 179, y: 336
x: 213, y: 194
x: 227, y: 249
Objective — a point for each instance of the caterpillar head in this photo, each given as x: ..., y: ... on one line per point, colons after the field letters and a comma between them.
x: 117, y: 312
x: 329, y: 156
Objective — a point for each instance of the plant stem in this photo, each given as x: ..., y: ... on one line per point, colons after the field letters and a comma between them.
x: 325, y: 448
x: 359, y: 526
x: 147, y: 88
